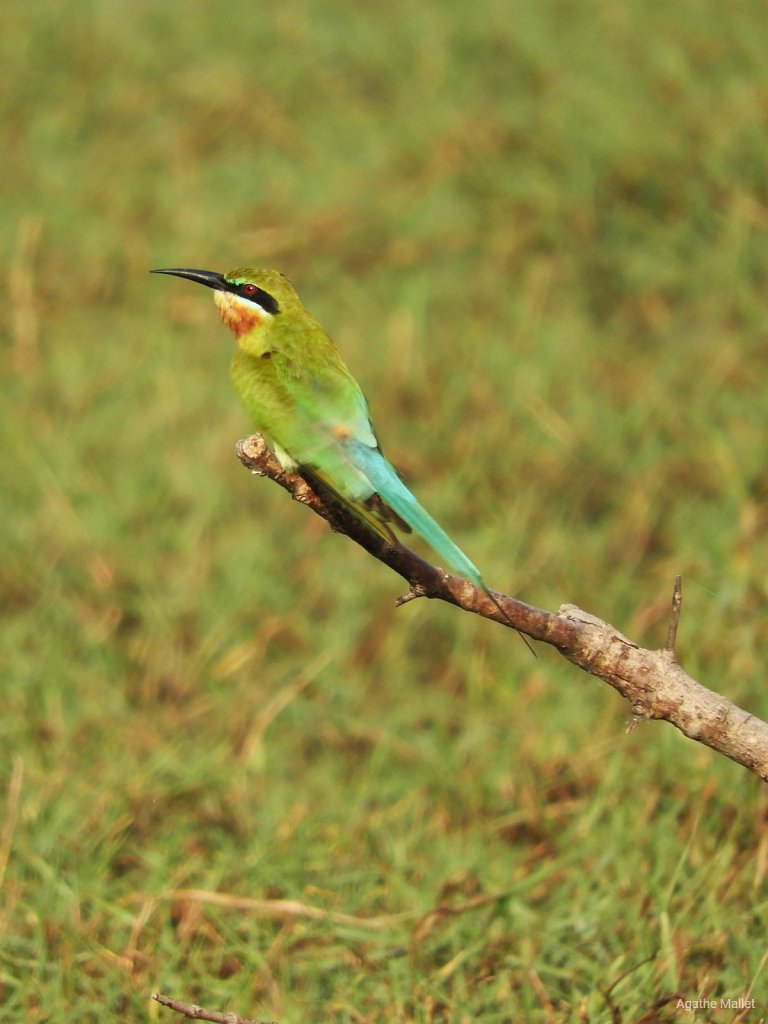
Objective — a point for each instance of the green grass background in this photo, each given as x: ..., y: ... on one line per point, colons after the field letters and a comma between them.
x: 538, y: 233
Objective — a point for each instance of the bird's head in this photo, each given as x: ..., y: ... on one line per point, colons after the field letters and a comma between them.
x: 248, y: 300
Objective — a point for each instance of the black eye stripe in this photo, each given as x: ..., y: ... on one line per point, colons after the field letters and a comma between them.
x: 256, y: 294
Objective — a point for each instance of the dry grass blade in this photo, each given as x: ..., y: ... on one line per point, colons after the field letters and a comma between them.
x: 281, y: 910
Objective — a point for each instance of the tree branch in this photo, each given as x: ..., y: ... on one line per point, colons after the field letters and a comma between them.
x: 652, y: 681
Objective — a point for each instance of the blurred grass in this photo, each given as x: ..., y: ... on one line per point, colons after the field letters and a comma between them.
x: 538, y: 233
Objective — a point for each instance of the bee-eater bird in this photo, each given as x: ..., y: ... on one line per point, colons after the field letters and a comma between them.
x: 310, y: 409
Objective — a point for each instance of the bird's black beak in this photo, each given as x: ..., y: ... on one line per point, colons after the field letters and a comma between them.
x: 207, y: 277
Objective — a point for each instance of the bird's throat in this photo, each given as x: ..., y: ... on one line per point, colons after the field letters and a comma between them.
x: 238, y: 314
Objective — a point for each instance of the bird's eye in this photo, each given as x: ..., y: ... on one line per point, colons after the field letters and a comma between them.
x: 251, y: 291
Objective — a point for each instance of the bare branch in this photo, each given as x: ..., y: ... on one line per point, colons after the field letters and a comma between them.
x: 652, y: 681
x: 195, y: 1012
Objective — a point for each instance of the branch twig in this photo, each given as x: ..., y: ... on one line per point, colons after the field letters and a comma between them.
x: 674, y: 619
x: 195, y: 1012
x: 652, y: 681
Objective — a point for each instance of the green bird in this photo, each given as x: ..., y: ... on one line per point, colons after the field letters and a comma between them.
x: 309, y: 408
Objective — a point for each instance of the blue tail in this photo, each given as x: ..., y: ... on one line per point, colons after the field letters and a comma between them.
x: 393, y: 491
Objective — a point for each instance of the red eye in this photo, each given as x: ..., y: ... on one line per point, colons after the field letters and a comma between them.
x: 257, y: 295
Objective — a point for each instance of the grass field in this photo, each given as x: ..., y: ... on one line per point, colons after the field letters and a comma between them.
x: 538, y: 232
